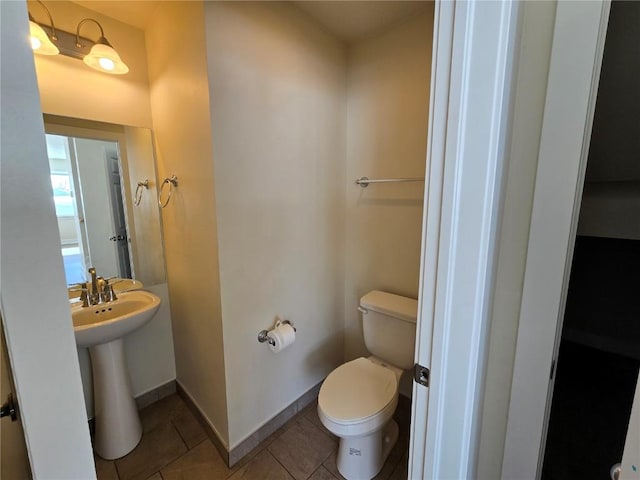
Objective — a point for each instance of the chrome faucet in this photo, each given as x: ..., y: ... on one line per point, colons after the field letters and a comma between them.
x: 94, y: 296
x: 100, y: 290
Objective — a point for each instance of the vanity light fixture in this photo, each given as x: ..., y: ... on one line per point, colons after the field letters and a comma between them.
x: 41, y: 42
x: 99, y: 55
x: 102, y: 56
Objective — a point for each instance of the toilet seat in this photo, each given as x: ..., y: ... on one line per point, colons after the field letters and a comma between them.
x: 358, y: 397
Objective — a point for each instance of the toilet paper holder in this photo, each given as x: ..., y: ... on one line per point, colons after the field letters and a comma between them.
x: 263, y: 336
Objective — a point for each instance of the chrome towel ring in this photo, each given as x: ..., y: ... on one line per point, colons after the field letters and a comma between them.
x: 139, y: 189
x: 173, y: 182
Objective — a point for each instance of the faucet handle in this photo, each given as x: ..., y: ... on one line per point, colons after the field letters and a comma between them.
x: 109, y: 293
x: 85, y: 297
x: 76, y: 287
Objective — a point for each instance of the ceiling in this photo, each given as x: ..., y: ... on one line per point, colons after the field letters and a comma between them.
x: 132, y: 12
x: 356, y: 20
x: 348, y: 20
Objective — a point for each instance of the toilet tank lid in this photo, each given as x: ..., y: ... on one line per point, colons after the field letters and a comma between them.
x: 393, y: 305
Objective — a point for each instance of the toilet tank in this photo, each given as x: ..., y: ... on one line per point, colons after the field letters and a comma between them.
x: 389, y: 325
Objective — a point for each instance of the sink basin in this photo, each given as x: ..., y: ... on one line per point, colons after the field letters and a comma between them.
x: 109, y: 321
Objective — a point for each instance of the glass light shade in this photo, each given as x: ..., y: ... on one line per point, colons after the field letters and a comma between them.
x: 105, y: 59
x: 40, y: 41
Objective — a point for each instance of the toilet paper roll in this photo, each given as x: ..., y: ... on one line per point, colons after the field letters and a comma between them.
x: 283, y: 336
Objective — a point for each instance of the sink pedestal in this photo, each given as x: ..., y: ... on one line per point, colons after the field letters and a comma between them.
x: 118, y: 427
x: 101, y: 327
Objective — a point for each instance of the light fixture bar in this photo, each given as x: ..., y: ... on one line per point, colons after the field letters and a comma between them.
x: 99, y: 55
x: 66, y: 43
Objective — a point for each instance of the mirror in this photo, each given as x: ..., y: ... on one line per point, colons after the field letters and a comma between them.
x: 105, y: 218
x: 87, y: 191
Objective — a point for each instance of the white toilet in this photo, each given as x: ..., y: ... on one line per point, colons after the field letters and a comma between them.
x: 357, y: 400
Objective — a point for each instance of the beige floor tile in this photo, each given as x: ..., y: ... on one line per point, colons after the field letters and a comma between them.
x: 201, y: 463
x: 106, y: 469
x: 158, y: 448
x: 188, y: 427
x: 322, y: 474
x: 162, y: 411
x: 311, y: 413
x: 401, y: 472
x: 173, y: 409
x: 330, y: 465
x: 302, y: 448
x: 262, y: 467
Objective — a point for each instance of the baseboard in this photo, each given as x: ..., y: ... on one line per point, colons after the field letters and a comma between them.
x: 234, y: 455
x: 208, y: 428
x: 252, y: 441
x: 155, y: 394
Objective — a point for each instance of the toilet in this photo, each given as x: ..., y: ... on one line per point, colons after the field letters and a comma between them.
x: 357, y: 400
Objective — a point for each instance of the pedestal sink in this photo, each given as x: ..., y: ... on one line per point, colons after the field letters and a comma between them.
x: 102, y: 328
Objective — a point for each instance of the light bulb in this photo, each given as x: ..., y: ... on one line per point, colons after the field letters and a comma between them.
x: 40, y: 41
x: 106, y: 63
x: 104, y: 58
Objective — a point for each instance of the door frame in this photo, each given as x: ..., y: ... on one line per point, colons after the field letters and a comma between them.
x: 576, y: 58
x: 33, y: 297
x: 473, y: 74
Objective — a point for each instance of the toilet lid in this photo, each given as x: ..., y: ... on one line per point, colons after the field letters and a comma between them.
x: 357, y: 390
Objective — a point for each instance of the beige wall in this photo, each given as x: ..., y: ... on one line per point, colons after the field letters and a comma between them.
x: 68, y: 87
x: 277, y: 86
x: 180, y: 111
x: 147, y: 246
x: 388, y: 107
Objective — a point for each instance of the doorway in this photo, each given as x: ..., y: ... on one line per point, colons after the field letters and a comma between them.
x: 13, y: 450
x: 599, y: 354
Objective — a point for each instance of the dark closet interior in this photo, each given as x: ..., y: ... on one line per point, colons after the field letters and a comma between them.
x: 598, y: 362
x: 599, y: 359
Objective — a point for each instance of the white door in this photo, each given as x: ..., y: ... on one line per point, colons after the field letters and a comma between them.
x: 631, y: 457
x: 120, y: 236
x: 92, y: 165
x: 473, y: 63
x: 33, y: 297
x: 578, y: 45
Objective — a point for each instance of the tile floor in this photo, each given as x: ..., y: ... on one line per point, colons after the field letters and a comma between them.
x: 174, y: 446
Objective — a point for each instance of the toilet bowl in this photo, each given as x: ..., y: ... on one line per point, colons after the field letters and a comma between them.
x: 358, y: 399
x: 356, y: 403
